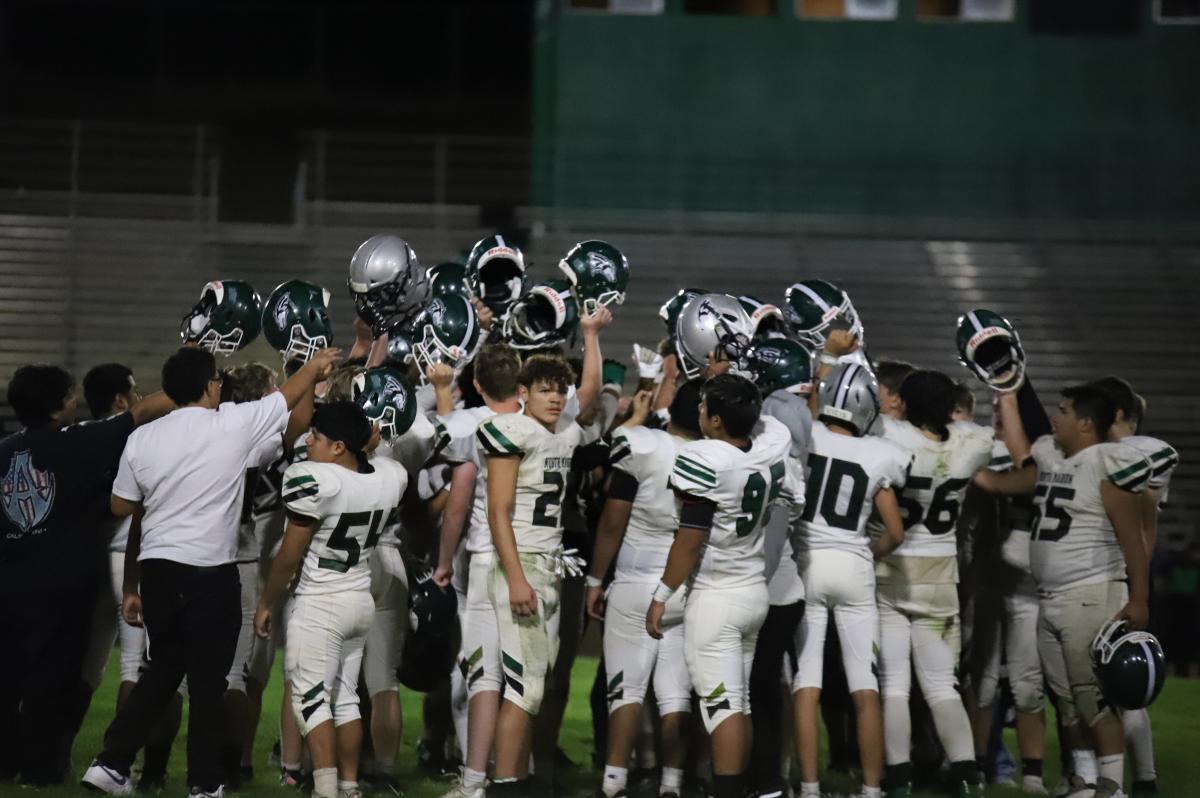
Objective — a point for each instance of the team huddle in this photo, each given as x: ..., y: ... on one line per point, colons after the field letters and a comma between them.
x: 773, y: 529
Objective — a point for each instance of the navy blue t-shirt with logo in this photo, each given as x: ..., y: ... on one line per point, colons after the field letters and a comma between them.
x: 55, y: 485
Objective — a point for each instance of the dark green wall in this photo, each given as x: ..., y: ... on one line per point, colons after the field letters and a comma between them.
x: 903, y: 117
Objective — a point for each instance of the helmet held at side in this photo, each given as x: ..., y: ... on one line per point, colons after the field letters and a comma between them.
x: 295, y: 320
x: 1129, y: 665
x: 227, y: 317
x: 387, y: 283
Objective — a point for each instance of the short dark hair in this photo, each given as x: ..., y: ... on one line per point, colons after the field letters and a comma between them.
x: 466, y: 387
x: 496, y: 369
x: 929, y: 400
x: 892, y: 373
x: 1092, y: 403
x: 186, y: 374
x: 103, y: 384
x: 964, y: 398
x: 546, y: 368
x: 250, y: 381
x: 685, y: 406
x: 735, y: 400
x: 1123, y: 397
x: 36, y: 392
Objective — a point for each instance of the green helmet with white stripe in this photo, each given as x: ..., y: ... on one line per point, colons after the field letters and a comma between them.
x: 447, y: 331
x: 989, y: 347
x: 545, y: 316
x: 598, y: 273
x: 781, y: 364
x: 814, y: 307
x: 496, y: 273
x: 849, y: 395
x: 1129, y: 665
x: 388, y: 399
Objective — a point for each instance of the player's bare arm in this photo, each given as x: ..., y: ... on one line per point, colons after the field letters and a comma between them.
x: 593, y: 362
x: 682, y: 559
x: 502, y: 492
x: 1125, y: 513
x: 610, y: 531
x: 1149, y: 502
x: 454, y: 520
x: 296, y: 539
x: 131, y: 598
x: 893, y: 524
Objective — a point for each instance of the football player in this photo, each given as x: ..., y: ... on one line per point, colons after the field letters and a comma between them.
x: 847, y: 474
x: 891, y: 375
x: 635, y: 528
x: 1087, y: 541
x: 726, y: 484
x: 1131, y: 409
x: 337, y: 503
x: 917, y: 585
x: 527, y: 463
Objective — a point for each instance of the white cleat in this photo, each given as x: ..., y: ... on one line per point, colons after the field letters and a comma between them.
x: 199, y: 793
x: 104, y: 779
x: 1033, y: 785
x: 461, y: 790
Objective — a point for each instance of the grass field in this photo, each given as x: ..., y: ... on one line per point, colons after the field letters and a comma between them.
x: 1176, y: 718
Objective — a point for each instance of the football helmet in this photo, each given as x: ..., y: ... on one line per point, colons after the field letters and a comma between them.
x: 430, y: 648
x: 227, y: 317
x: 447, y: 331
x: 295, y: 320
x: 709, y: 322
x: 781, y: 364
x: 813, y: 307
x: 448, y: 279
x: 849, y: 394
x: 1129, y: 665
x: 990, y: 349
x: 496, y: 273
x: 598, y: 273
x: 669, y: 312
x: 765, y: 319
x: 545, y: 316
x: 387, y: 398
x: 400, y: 351
x: 387, y: 283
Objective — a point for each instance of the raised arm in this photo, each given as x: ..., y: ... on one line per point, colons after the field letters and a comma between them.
x: 312, y: 372
x: 593, y: 362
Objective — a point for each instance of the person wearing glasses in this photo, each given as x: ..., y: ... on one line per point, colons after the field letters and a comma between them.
x: 185, y: 476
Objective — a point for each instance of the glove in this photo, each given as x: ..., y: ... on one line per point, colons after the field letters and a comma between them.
x: 649, y: 363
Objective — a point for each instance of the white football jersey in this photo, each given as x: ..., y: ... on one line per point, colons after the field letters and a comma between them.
x: 1073, y: 541
x: 462, y: 426
x: 647, y: 455
x: 842, y: 476
x: 938, y: 477
x: 351, y: 511
x: 541, y: 477
x: 419, y: 444
x: 1163, y: 458
x: 743, y: 486
x: 268, y: 453
x: 1016, y: 514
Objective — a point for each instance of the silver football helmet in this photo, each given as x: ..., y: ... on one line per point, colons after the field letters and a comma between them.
x: 707, y: 323
x: 849, y: 394
x: 387, y: 283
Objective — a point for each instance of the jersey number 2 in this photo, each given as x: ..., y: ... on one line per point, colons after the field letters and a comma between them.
x: 341, y: 539
x: 547, y: 507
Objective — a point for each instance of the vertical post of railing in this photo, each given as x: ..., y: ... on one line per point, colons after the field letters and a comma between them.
x: 76, y: 135
x: 214, y: 187
x: 299, y: 194
x: 319, y: 192
x: 198, y: 176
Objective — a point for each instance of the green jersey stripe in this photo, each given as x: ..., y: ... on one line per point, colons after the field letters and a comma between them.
x: 698, y: 467
x: 685, y: 472
x: 498, y: 438
x: 1129, y: 471
x: 300, y: 480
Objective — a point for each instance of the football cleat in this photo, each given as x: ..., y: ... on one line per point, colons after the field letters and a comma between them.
x: 101, y: 778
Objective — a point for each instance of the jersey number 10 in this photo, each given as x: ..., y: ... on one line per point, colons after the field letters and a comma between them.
x: 823, y: 490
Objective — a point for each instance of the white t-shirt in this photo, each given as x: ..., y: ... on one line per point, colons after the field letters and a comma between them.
x: 1073, y: 540
x: 743, y: 486
x: 842, y: 476
x: 188, y: 469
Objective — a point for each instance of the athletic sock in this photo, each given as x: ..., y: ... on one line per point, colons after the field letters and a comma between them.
x: 672, y: 780
x: 614, y: 780
x: 1112, y: 767
x: 1031, y: 767
x: 1085, y: 764
x: 325, y: 783
x: 347, y: 785
x: 730, y: 786
x: 872, y: 792
x: 810, y: 789
x: 472, y: 778
x: 1139, y: 742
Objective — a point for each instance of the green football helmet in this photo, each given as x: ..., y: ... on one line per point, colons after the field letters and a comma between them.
x: 814, y: 307
x: 227, y: 317
x: 400, y: 351
x: 781, y: 364
x: 989, y: 347
x: 545, y: 316
x: 496, y: 273
x: 598, y: 273
x: 1129, y: 665
x: 447, y: 331
x: 295, y: 320
x: 448, y: 279
x: 669, y: 312
x: 765, y: 318
x: 388, y: 399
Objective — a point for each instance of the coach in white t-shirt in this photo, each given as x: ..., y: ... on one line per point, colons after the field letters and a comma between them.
x: 185, y: 474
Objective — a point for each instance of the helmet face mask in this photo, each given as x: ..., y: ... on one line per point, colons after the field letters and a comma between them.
x: 1129, y: 665
x: 227, y: 317
x: 708, y: 324
x: 989, y: 347
x: 387, y: 398
x: 850, y: 395
x: 387, y: 283
x: 495, y: 273
x: 447, y: 331
x: 545, y: 316
x: 295, y: 321
x: 598, y: 273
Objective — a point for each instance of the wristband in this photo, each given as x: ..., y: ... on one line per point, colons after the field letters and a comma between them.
x: 662, y: 593
x: 828, y: 359
x: 592, y: 581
